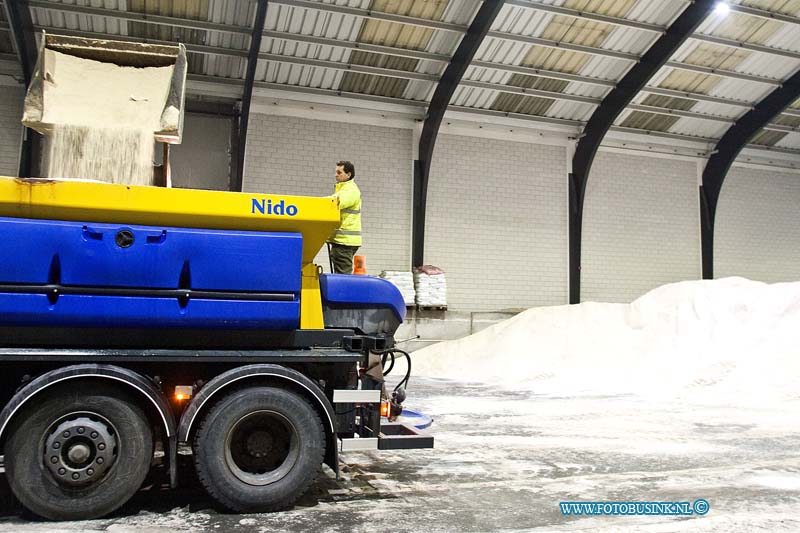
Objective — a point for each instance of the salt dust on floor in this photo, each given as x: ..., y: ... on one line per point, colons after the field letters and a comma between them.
x: 533, y: 412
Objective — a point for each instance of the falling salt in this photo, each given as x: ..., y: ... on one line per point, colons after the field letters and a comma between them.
x: 112, y: 155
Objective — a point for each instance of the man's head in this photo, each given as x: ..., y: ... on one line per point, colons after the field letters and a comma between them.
x: 345, y: 171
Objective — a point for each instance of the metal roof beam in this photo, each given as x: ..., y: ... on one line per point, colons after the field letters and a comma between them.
x: 354, y: 45
x: 350, y: 67
x: 655, y: 28
x: 704, y: 116
x: 588, y: 15
x: 415, y: 54
x: 722, y: 73
x: 679, y: 113
x: 395, y: 73
x: 544, y: 73
x: 308, y: 90
x: 731, y: 43
x: 436, y: 25
x: 472, y: 110
x: 764, y: 14
x: 673, y: 93
x: 375, y: 15
x: 726, y: 151
x: 607, y: 112
x: 560, y: 45
x: 247, y: 94
x: 531, y: 92
x: 467, y: 48
x: 141, y: 17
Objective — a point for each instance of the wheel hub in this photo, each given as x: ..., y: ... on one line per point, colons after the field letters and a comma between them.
x: 79, y: 450
x: 262, y: 447
x: 259, y: 443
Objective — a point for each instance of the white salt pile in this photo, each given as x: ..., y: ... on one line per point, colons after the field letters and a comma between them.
x: 728, y: 339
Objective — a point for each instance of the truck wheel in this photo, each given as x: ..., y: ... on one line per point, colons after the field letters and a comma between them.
x: 259, y: 449
x: 78, y: 455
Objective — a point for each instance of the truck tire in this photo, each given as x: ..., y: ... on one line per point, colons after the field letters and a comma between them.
x: 78, y: 455
x: 259, y: 449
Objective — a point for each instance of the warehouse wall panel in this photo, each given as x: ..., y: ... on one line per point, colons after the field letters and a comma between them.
x: 757, y: 234
x: 640, y: 226
x: 203, y: 159
x: 290, y: 155
x: 10, y: 129
x: 497, y: 222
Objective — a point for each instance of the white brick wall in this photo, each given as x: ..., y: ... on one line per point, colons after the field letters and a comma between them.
x: 496, y: 222
x: 756, y: 231
x: 10, y: 129
x: 640, y: 226
x: 289, y: 155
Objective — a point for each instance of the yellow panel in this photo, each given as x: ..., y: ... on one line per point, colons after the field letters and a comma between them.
x: 311, y: 299
x: 315, y: 218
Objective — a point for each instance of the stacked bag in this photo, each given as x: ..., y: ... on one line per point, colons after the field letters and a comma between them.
x: 430, y: 286
x: 403, y: 281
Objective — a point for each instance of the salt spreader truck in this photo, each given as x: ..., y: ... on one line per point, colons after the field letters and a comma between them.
x: 139, y: 321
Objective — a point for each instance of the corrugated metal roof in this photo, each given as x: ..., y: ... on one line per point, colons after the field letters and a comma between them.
x: 571, y: 110
x: 572, y: 30
x: 740, y: 27
x: 792, y: 140
x: 767, y: 138
x: 649, y: 121
x: 6, y: 46
x: 235, y: 13
x: 786, y: 7
x: 699, y: 128
x: 462, y: 13
x: 77, y: 21
x: 196, y: 10
x: 513, y: 19
x: 669, y: 102
x: 392, y: 34
x: 786, y: 120
x: 301, y: 21
x: 301, y: 75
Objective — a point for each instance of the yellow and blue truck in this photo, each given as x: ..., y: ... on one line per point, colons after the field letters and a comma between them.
x: 136, y: 320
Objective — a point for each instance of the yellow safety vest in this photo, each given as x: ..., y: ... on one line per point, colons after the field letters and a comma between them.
x: 349, y: 232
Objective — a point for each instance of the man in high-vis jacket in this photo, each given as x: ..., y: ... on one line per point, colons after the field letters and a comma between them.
x: 347, y: 238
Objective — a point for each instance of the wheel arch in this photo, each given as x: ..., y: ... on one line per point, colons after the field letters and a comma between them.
x: 242, y: 376
x: 150, y: 399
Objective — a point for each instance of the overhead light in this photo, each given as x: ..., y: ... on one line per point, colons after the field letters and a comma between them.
x: 722, y: 8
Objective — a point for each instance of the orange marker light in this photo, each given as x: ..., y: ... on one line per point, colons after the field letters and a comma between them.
x: 385, y: 409
x: 183, y: 392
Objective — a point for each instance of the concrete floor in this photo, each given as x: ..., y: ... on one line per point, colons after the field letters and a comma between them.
x: 505, y: 459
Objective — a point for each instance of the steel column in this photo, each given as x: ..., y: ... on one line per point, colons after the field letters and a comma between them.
x: 604, y: 116
x: 441, y: 99
x: 725, y: 153
x: 247, y: 94
x: 21, y: 25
